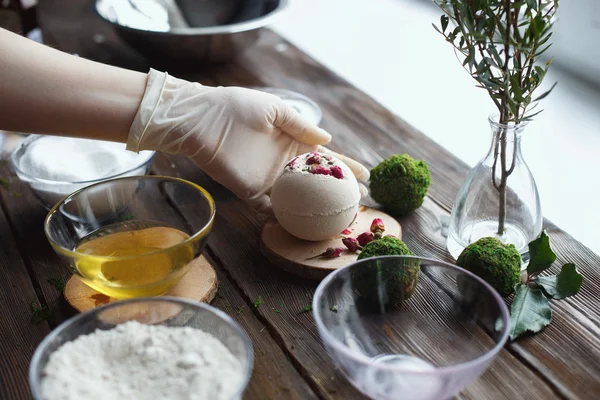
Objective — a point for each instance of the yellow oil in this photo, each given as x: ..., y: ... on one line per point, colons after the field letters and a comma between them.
x: 142, y: 261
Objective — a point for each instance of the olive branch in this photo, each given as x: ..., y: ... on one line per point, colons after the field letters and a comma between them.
x: 500, y: 43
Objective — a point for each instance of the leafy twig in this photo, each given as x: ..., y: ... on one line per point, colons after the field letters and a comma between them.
x: 306, y: 309
x: 499, y: 42
x: 38, y: 313
x: 58, y: 283
x: 530, y: 310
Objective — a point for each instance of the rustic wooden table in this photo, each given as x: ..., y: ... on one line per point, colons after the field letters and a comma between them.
x: 563, y: 361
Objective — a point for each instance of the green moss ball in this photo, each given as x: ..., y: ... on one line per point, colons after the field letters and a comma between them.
x: 400, y: 183
x: 497, y: 263
x: 399, y: 280
x: 386, y: 246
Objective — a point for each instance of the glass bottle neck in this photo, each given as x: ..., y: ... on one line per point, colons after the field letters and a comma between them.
x: 506, y: 138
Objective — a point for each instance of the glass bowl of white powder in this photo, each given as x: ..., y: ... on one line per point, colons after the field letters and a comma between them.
x: 412, y: 328
x: 145, y: 349
x: 55, y: 167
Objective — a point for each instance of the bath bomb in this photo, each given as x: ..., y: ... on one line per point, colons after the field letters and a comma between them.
x: 315, y: 197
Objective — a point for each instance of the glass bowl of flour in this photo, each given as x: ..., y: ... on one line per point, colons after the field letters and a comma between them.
x: 55, y: 167
x: 145, y: 349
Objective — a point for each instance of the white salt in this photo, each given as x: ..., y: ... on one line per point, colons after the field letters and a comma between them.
x: 77, y: 160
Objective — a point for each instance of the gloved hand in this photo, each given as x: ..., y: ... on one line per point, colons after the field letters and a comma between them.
x: 242, y: 138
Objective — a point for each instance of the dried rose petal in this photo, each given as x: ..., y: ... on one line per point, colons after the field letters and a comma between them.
x: 364, y: 238
x: 292, y: 163
x: 314, y: 159
x: 337, y: 172
x: 319, y: 170
x: 351, y: 243
x: 347, y: 231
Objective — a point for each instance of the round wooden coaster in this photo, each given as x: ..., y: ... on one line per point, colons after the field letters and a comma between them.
x: 200, y: 283
x: 292, y: 254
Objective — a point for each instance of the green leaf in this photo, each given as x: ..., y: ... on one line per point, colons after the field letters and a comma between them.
x: 58, y: 283
x: 566, y: 283
x: 444, y: 22
x: 529, y: 312
x: 4, y: 182
x: 541, y: 255
x: 38, y: 313
x: 543, y: 95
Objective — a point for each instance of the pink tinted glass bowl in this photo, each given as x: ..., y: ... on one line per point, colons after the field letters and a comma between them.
x: 426, y: 345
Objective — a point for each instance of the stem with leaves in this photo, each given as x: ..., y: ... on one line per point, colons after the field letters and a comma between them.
x: 500, y: 44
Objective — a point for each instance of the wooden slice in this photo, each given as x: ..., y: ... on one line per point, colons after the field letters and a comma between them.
x: 292, y: 254
x: 199, y: 283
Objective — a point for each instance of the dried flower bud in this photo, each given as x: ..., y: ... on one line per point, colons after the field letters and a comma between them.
x: 377, y: 225
x: 313, y: 159
x: 351, y: 243
x: 331, y: 252
x: 337, y: 172
x: 318, y: 170
x: 364, y: 238
x: 347, y: 231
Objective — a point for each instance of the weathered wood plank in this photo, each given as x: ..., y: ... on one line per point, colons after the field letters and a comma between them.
x: 365, y: 130
x: 273, y: 376
x: 26, y: 214
x: 236, y: 241
x: 19, y: 337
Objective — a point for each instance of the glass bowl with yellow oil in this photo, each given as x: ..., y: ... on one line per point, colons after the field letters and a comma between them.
x: 132, y: 237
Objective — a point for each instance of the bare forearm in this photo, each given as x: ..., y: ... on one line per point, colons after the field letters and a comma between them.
x: 43, y: 90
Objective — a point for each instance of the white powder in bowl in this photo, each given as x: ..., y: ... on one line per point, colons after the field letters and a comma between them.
x: 75, y: 160
x: 137, y: 361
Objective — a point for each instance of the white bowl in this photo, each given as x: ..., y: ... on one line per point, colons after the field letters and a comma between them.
x: 38, y: 161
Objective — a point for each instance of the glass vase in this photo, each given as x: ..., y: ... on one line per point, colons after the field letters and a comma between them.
x: 499, y: 197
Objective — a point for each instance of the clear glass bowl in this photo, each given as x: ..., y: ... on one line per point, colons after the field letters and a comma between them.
x: 49, y: 188
x: 168, y: 311
x: 146, y: 230
x: 397, y: 333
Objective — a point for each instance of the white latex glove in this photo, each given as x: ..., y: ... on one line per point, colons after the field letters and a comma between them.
x: 242, y: 138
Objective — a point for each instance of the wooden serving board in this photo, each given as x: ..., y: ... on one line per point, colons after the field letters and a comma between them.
x: 199, y: 283
x: 293, y: 255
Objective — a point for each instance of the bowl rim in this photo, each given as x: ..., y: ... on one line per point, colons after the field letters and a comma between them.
x: 35, y: 380
x: 293, y: 95
x: 72, y: 253
x: 361, y: 358
x: 34, y: 137
x: 238, y: 27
